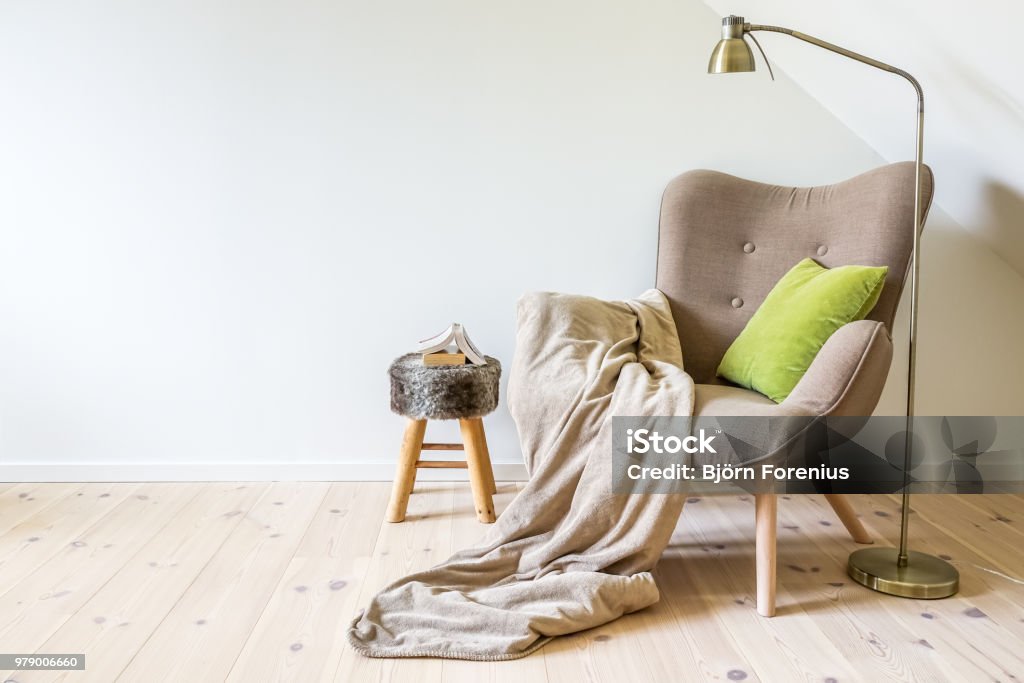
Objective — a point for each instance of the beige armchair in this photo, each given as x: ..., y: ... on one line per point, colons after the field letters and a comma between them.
x: 724, y: 242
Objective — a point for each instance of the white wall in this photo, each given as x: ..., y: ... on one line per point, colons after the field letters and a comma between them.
x: 971, y: 320
x: 219, y: 221
x: 970, y: 327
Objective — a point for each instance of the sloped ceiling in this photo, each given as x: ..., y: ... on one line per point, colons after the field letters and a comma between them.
x: 968, y: 60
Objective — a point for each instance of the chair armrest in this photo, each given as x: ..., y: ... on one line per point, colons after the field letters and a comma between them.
x: 847, y: 375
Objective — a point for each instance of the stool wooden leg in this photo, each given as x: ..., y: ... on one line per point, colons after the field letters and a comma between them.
x: 405, y: 476
x: 476, y: 460
x: 488, y: 465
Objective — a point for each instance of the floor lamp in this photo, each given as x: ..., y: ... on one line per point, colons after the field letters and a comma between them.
x: 894, y: 571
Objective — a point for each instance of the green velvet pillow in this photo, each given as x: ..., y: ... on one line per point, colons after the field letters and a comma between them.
x: 797, y: 317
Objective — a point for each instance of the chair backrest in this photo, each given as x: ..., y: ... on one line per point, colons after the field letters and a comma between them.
x: 724, y: 242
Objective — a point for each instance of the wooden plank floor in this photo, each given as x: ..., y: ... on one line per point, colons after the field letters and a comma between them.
x: 257, y: 582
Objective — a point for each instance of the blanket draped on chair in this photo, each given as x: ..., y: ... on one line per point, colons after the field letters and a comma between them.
x: 567, y: 554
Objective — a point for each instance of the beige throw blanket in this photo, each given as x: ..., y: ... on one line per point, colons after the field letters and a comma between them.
x: 566, y: 554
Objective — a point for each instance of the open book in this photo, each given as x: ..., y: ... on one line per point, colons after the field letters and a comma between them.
x: 455, y: 334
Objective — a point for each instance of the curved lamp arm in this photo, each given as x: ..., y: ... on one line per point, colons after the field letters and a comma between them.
x: 749, y: 28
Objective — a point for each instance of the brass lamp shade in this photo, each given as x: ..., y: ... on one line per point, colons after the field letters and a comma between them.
x: 731, y: 55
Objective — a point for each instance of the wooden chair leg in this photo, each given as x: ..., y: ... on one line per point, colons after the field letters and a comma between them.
x: 848, y: 516
x: 476, y: 461
x: 488, y: 465
x: 405, y: 475
x: 765, y: 512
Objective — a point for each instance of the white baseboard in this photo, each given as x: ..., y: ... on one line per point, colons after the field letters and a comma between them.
x: 278, y: 471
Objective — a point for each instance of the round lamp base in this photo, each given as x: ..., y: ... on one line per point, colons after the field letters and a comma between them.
x: 925, y: 576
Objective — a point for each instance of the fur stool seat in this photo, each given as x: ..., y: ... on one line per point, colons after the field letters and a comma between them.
x: 444, y: 392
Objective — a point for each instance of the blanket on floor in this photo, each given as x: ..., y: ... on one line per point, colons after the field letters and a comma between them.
x: 566, y: 554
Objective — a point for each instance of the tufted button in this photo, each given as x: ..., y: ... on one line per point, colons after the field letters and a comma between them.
x: 822, y: 250
x: 748, y: 247
x: 737, y: 302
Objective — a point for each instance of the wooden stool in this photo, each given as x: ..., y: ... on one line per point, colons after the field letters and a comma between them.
x: 446, y: 392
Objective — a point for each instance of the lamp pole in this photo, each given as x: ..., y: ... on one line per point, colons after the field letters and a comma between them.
x: 889, y: 570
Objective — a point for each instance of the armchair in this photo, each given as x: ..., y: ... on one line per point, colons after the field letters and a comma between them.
x: 723, y: 242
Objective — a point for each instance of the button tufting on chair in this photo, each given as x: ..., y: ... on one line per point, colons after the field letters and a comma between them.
x: 737, y: 302
x: 822, y: 250
x: 749, y: 247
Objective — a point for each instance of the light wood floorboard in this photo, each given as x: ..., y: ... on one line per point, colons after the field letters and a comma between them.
x: 297, y: 638
x: 34, y: 607
x: 44, y: 534
x: 114, y: 624
x: 202, y: 635
x: 258, y: 582
x: 22, y: 501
